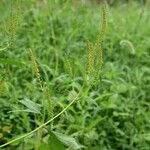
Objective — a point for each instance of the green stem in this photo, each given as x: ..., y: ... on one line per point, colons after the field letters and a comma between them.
x: 43, y: 125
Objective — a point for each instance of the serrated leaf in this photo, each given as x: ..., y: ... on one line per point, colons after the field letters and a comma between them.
x: 72, y: 94
x: 32, y: 106
x: 68, y: 141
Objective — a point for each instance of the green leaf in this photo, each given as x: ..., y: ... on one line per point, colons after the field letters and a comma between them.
x: 93, y: 123
x: 95, y: 148
x: 72, y: 95
x: 68, y: 141
x: 3, y: 49
x: 54, y: 143
x: 32, y: 106
x: 146, y: 136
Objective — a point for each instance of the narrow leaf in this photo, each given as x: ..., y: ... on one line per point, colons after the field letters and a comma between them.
x: 12, y: 62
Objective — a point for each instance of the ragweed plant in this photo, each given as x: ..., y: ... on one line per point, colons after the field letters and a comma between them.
x: 2, y: 85
x: 68, y: 66
x: 46, y: 102
x: 94, y: 56
x: 90, y: 59
x: 3, y: 82
x: 94, y: 62
x: 35, y: 68
x: 43, y: 86
x: 14, y: 20
x: 103, y: 22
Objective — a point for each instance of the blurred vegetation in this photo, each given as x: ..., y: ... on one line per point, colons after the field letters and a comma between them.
x: 112, y: 111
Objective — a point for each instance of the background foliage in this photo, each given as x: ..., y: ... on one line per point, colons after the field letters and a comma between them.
x: 113, y: 114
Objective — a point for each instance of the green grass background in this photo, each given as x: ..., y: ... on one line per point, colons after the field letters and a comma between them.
x: 115, y: 113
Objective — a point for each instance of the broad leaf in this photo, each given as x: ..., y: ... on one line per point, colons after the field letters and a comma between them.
x: 68, y: 141
x: 32, y: 106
